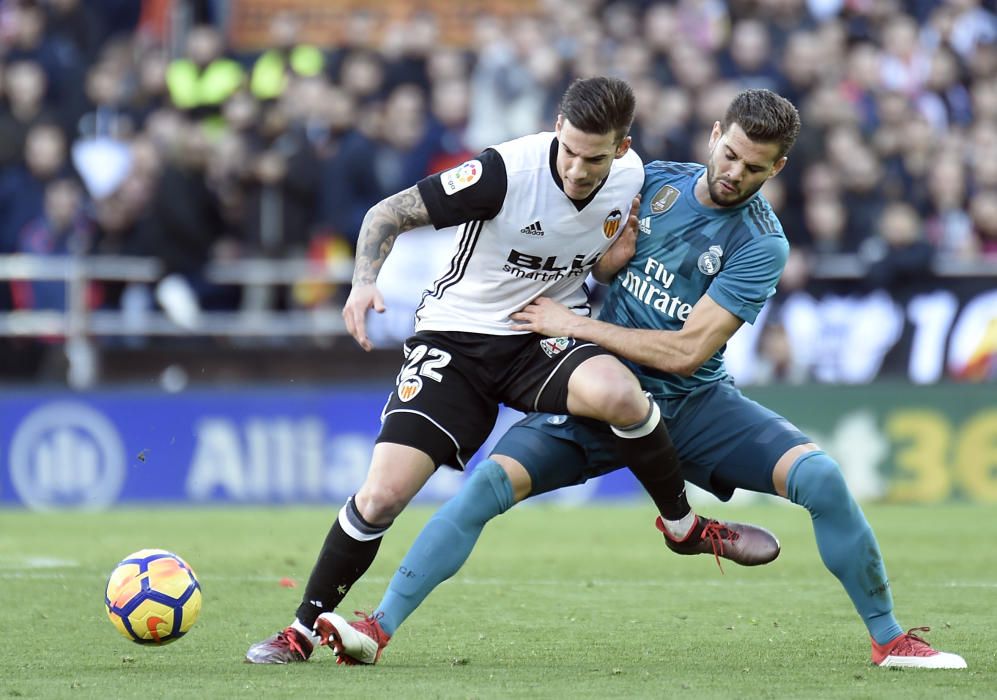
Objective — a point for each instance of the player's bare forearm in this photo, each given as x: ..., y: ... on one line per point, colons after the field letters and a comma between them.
x: 396, y: 214
x: 681, y: 351
x: 666, y: 351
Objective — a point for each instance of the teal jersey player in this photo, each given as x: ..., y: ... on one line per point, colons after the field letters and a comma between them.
x: 699, y: 258
x: 685, y: 250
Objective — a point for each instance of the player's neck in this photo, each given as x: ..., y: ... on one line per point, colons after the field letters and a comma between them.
x: 701, y: 191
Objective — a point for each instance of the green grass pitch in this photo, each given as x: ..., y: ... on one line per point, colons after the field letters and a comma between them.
x: 554, y: 603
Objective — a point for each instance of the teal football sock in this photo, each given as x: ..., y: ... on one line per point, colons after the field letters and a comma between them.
x: 846, y: 543
x: 445, y: 542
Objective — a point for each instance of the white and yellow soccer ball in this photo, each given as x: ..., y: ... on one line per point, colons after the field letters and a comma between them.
x: 153, y: 597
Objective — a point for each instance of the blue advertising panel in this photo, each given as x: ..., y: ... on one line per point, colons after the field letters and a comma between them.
x: 259, y: 446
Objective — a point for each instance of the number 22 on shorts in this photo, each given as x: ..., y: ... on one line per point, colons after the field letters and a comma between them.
x: 420, y: 361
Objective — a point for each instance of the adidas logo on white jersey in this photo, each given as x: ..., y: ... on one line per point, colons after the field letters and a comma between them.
x: 533, y: 229
x: 644, y: 225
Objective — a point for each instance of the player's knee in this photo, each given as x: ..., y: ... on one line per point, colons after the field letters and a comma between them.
x: 816, y: 483
x: 380, y: 503
x: 617, y: 399
x: 485, y: 494
x: 627, y: 406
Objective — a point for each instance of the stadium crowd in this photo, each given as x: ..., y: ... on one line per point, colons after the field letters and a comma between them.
x: 120, y: 135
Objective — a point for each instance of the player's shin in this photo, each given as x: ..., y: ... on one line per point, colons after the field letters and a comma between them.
x: 846, y: 542
x: 648, y: 450
x: 445, y: 542
x: 348, y: 551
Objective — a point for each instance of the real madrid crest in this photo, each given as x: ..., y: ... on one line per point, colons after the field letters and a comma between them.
x: 612, y: 223
x: 709, y: 262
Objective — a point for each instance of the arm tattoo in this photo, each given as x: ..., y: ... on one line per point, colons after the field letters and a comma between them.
x: 384, y: 221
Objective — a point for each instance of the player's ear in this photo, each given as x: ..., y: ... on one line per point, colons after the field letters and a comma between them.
x: 779, y: 165
x: 558, y: 124
x: 624, y: 146
x: 715, y: 135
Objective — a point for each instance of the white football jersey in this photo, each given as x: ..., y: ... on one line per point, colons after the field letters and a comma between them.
x: 538, y: 244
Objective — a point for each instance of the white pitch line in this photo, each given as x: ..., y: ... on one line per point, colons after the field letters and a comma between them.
x: 36, y: 575
x: 29, y: 563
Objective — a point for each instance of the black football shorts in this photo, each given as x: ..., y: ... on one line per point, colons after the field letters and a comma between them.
x: 447, y: 393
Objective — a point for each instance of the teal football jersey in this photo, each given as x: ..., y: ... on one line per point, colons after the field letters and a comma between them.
x: 685, y: 250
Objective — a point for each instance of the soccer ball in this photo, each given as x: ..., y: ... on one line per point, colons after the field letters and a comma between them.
x: 153, y: 597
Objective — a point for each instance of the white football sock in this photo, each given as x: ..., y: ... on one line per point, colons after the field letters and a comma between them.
x: 678, y: 530
x: 309, y: 634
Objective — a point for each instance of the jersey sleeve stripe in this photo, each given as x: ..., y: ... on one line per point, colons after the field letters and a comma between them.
x: 759, y: 216
x: 470, y: 232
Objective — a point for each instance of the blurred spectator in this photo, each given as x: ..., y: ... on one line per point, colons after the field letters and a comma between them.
x: 947, y: 223
x: 663, y: 127
x: 201, y: 81
x: 703, y: 23
x: 983, y: 213
x: 969, y: 25
x: 777, y: 360
x: 359, y: 35
x: 801, y: 67
x: 945, y: 101
x: 904, y: 65
x: 185, y: 237
x: 71, y: 22
x: 825, y: 222
x: 692, y: 67
x: 860, y: 84
x: 149, y: 90
x: 449, y: 107
x: 898, y: 255
x: 61, y: 230
x: 281, y: 185
x: 385, y: 156
x: 862, y: 190
x: 24, y: 88
x: 29, y: 42
x: 105, y: 116
x: 288, y: 57
x: 362, y: 76
x: 22, y: 188
x: 407, y: 46
x: 748, y: 59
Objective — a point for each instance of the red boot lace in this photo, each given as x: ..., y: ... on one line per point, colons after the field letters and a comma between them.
x: 912, y: 645
x: 716, y: 534
x: 370, y: 624
x: 290, y: 636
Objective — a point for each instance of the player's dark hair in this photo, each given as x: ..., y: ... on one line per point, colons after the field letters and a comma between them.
x: 766, y: 117
x: 599, y: 105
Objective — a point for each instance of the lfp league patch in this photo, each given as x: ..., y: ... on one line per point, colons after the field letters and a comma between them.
x: 461, y: 177
x: 553, y: 346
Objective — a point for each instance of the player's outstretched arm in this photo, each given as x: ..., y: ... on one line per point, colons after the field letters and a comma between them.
x: 396, y: 214
x: 708, y: 327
